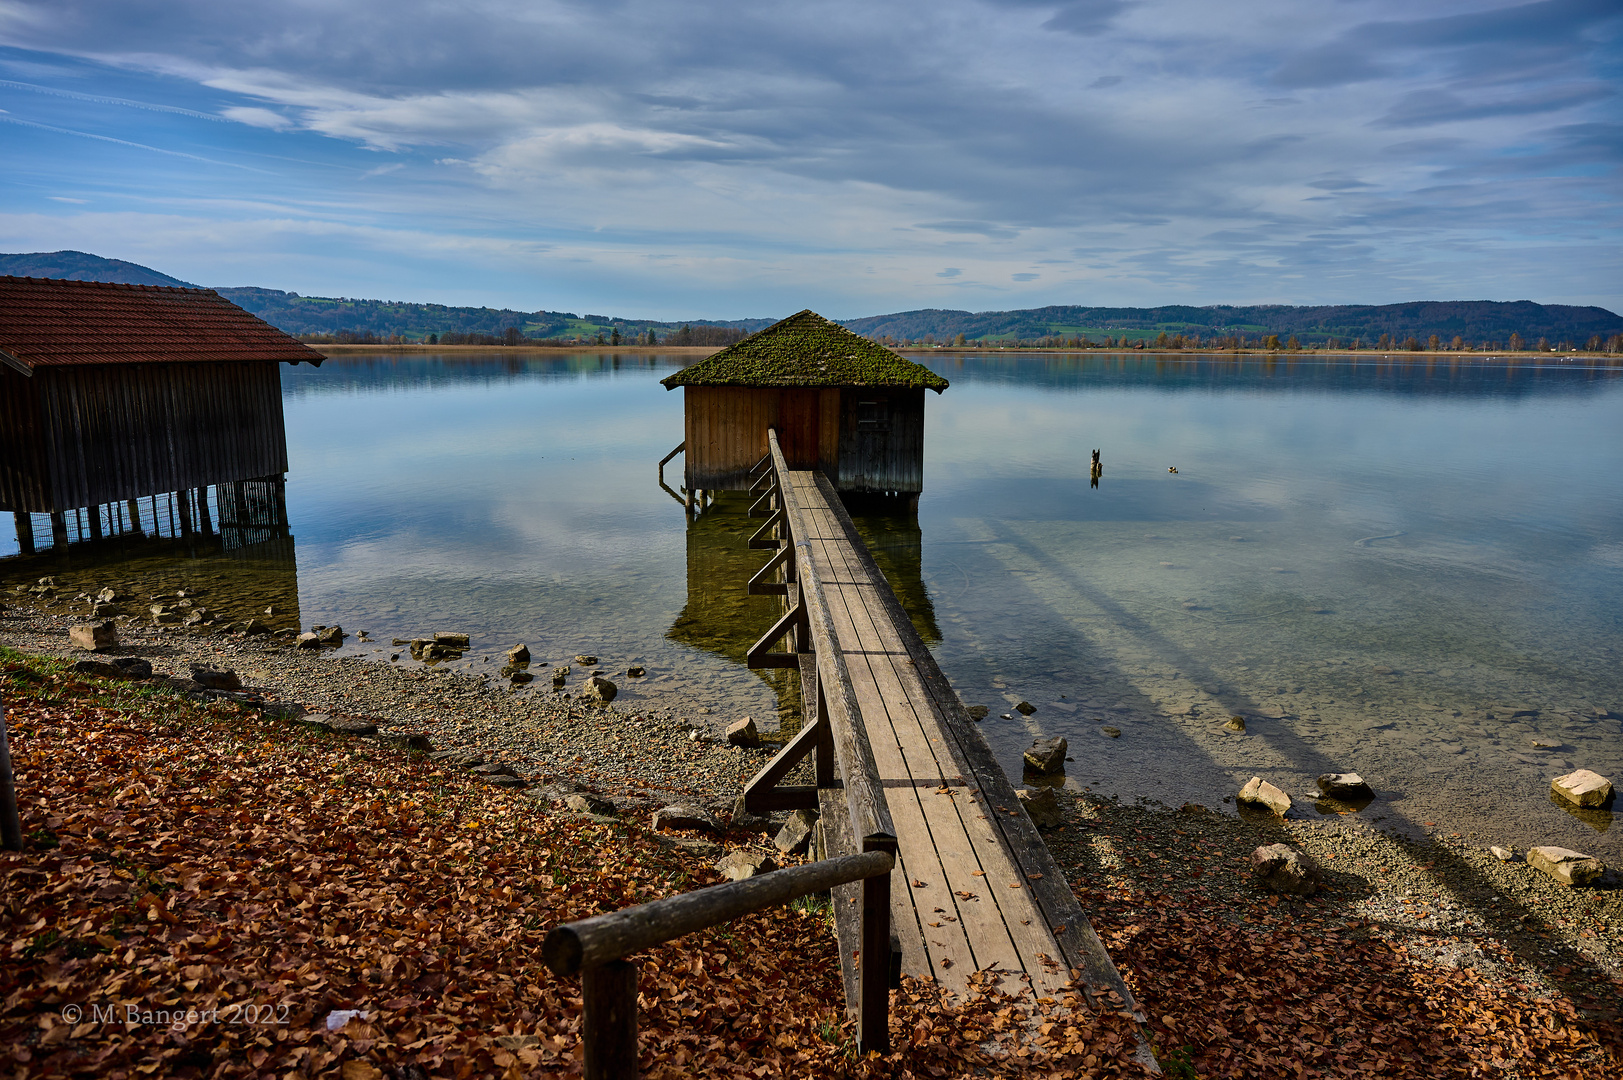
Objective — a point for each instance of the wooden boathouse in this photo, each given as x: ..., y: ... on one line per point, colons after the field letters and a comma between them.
x: 111, y: 394
x: 840, y: 403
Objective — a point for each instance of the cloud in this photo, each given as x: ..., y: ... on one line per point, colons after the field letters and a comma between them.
x: 1430, y: 107
x: 1025, y: 277
x: 950, y: 272
x: 759, y: 155
x: 254, y: 116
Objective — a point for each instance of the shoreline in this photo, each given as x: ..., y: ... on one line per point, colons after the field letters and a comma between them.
x: 1611, y: 359
x: 1442, y: 908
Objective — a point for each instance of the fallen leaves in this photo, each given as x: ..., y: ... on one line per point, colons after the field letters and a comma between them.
x: 236, y: 881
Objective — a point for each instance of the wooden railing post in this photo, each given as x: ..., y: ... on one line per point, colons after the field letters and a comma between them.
x: 11, y: 830
x: 873, y: 1009
x: 609, y: 1020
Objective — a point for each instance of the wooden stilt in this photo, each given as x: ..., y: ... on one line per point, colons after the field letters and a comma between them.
x: 182, y: 501
x: 25, y: 532
x: 59, y: 530
x: 609, y: 1004
x: 95, y: 522
x: 134, y: 507
x: 203, y: 521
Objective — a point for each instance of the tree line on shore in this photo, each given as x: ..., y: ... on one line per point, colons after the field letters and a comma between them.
x: 685, y: 335
x: 1163, y: 341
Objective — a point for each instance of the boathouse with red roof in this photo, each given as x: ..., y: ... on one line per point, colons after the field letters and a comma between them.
x: 110, y: 394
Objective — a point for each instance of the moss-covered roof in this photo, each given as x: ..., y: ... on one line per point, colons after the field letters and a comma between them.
x: 805, y: 350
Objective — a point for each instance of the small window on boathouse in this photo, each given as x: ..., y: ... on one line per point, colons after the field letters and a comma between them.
x: 872, y: 416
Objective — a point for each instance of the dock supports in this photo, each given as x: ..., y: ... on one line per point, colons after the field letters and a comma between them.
x: 25, y: 532
x: 59, y: 529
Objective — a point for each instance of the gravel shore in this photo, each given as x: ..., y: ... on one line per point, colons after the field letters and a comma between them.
x: 1449, y: 901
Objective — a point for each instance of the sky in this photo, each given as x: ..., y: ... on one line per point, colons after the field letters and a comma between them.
x: 665, y: 159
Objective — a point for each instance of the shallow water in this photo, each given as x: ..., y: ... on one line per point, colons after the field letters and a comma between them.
x: 1413, y: 570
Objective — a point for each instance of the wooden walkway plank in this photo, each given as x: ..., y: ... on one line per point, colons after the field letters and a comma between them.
x: 1080, y: 948
x: 988, y: 891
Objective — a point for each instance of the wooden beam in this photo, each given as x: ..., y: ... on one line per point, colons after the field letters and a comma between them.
x: 588, y: 943
x: 758, y: 792
x: 11, y: 830
x: 758, y: 587
x: 609, y: 1021
x: 760, y: 539
x: 759, y: 655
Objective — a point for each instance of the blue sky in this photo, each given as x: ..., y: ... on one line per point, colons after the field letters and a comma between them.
x: 728, y: 159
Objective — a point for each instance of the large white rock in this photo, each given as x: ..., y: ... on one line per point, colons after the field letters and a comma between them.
x: 1259, y: 792
x: 1567, y: 866
x: 1582, y: 788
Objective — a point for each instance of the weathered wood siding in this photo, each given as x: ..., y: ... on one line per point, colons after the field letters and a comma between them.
x: 120, y: 431
x: 725, y: 428
x: 881, y: 440
x: 22, y: 462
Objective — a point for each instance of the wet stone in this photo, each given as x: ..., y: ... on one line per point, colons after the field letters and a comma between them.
x: 1258, y: 792
x: 1582, y: 788
x: 1046, y: 756
x: 1567, y: 866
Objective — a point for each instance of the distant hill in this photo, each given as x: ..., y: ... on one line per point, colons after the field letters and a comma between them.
x: 82, y: 266
x: 317, y: 316
x: 343, y: 318
x: 1472, y: 320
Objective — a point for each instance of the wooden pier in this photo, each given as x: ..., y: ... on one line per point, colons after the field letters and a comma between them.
x: 975, y: 888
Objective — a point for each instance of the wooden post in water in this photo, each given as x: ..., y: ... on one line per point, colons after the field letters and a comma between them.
x: 59, y: 529
x: 609, y: 1023
x: 95, y: 521
x: 182, y: 500
x: 25, y: 531
x: 203, y: 521
x: 134, y: 507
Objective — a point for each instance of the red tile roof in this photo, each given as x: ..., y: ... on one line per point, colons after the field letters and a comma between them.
x: 45, y: 322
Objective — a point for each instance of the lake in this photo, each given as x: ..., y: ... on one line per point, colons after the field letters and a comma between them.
x: 1411, y: 568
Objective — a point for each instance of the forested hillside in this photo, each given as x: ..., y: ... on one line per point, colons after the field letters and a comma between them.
x: 1474, y: 321
x: 1433, y: 324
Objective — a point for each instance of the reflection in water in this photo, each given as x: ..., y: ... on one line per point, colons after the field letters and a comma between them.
x: 721, y: 618
x: 233, y: 581
x: 1407, y: 567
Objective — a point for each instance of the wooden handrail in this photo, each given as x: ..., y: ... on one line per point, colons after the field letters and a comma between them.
x: 864, y: 793
x: 589, y: 943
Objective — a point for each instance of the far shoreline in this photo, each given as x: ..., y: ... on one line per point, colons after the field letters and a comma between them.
x: 336, y: 349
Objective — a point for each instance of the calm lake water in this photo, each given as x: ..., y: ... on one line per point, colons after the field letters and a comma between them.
x: 1410, y: 569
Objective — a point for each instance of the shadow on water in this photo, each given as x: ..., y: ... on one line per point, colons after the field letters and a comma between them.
x: 1522, y: 930
x: 233, y: 581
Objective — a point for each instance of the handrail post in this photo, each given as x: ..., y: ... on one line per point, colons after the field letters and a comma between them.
x: 873, y: 1008
x: 11, y: 830
x: 609, y: 1020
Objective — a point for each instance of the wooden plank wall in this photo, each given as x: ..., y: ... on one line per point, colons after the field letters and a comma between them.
x: 22, y: 461
x: 725, y: 428
x: 886, y: 458
x: 113, y: 432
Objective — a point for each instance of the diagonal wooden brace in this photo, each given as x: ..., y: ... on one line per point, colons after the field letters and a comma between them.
x: 761, y: 539
x: 762, y: 793
x: 759, y: 656
x: 760, y: 587
x: 756, y: 508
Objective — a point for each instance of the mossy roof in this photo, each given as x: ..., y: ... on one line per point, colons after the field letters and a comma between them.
x: 806, y: 350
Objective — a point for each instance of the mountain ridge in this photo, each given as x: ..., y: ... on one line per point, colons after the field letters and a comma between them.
x: 1475, y: 321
